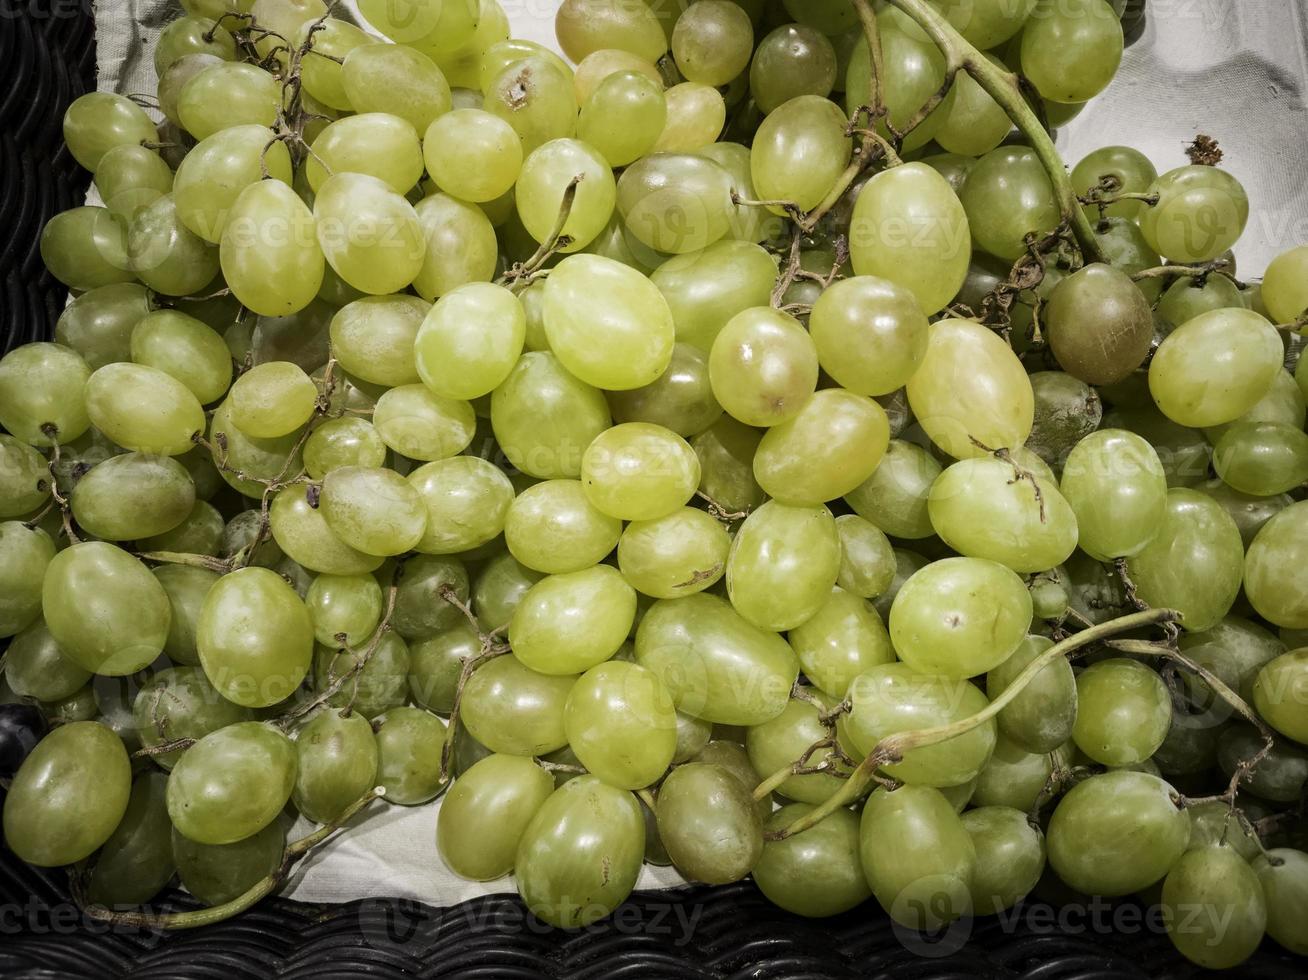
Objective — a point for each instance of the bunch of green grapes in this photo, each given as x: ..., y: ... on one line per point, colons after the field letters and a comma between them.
x: 705, y: 450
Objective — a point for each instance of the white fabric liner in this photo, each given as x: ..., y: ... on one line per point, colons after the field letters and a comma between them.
x: 1234, y: 70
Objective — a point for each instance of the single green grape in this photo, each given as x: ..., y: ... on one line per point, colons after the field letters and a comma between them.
x: 42, y: 393
x: 1123, y: 712
x: 638, y: 471
x: 472, y: 154
x: 1283, y: 285
x: 185, y: 349
x: 348, y: 606
x: 1283, y: 402
x: 484, y: 815
x: 369, y: 234
x: 1273, y: 568
x: 1201, y: 212
x: 98, y: 324
x: 301, y: 531
x: 782, y: 564
x: 136, y: 861
x: 1071, y: 50
x: 421, y: 425
x: 553, y: 528
x: 1013, y: 777
x: 27, y: 554
x: 894, y: 497
x: 513, y: 709
x: 867, y: 559
x: 179, y: 703
x: 1010, y: 856
x: 37, y: 667
x: 97, y: 122
x: 597, y: 67
x: 870, y: 334
x: 467, y: 501
x: 800, y: 151
x: 536, y: 98
x: 269, y: 250
x: 624, y: 116
x: 336, y: 763
x: 726, y: 451
x: 1186, y: 298
x: 131, y: 177
x: 620, y: 722
x: 986, y: 23
x: 680, y: 399
x: 1283, y: 873
x: 544, y: 417
x: 1280, y: 691
x: 713, y: 44
x: 913, y: 70
x: 341, y: 442
x: 379, y: 144
x: 398, y: 79
x: 373, y: 338
x: 1007, y: 196
x: 1043, y: 714
x: 374, y: 510
x: 1098, y: 324
x: 569, y: 623
x: 469, y: 341
x: 547, y: 174
x: 409, y: 751
x: 696, y: 116
x: 227, y: 94
x: 706, y: 289
x: 1262, y: 458
x: 272, y: 399
x: 763, y: 366
x: 679, y: 554
x: 708, y: 824
x: 1115, y: 484
x: 86, y: 247
x: 676, y: 202
x: 133, y: 496
x: 816, y: 873
x: 1218, y: 912
x: 218, y: 873
x: 436, y: 663
x: 212, y: 176
x: 777, y: 743
x: 792, y: 60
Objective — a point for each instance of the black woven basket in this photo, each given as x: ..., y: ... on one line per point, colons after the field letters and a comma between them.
x: 47, y: 58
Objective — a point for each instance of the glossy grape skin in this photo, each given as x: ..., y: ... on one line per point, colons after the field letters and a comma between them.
x: 1283, y: 874
x: 381, y: 684
x: 1098, y: 324
x: 1283, y: 285
x: 396, y: 79
x: 584, y: 26
x: 86, y: 247
x: 782, y: 564
x: 1187, y: 298
x: 599, y: 66
x: 705, y: 289
x: 536, y: 98
x: 1217, y: 909
x: 1123, y: 712
x: 1193, y: 564
x: 375, y: 511
x: 816, y: 873
x: 621, y: 724
x: 1116, y: 833
x: 137, y: 859
x: 1273, y: 570
x: 302, y: 532
x: 133, y: 496
x: 703, y: 651
x: 637, y: 471
x: 841, y: 640
x: 1201, y: 212
x: 459, y: 246
x: 894, y: 698
x: 800, y: 150
x: 36, y: 666
x: 917, y: 856
x: 212, y: 176
x: 470, y: 340
x: 581, y: 853
x: 192, y: 35
x: 1117, y: 488
x: 421, y: 425
x: 232, y: 783
x: 336, y: 764
x: 1007, y: 195
x: 894, y: 497
x: 544, y: 417
x: 777, y: 743
x: 186, y: 349
x: 1282, y: 403
x: 143, y: 409
x: 1262, y: 458
x: 488, y: 160
x: 467, y: 501
x: 379, y: 144
x: 269, y: 251
x: 179, y: 702
x: 909, y: 228
x: 98, y: 324
x: 867, y: 559
x: 713, y: 45
x: 680, y: 554
x: 218, y: 873
x: 131, y: 177
x: 680, y: 399
x: 607, y: 323
x: 763, y: 366
x: 254, y: 637
x: 370, y: 235
x: 1013, y: 777
x: 342, y: 442
x: 676, y: 202
x: 409, y: 750
x: 708, y: 824
x: 551, y: 527
x: 696, y: 116
x: 569, y: 623
x: 515, y: 710
x: 43, y: 384
x: 914, y: 70
x: 421, y: 610
x: 1087, y: 36
x: 227, y: 94
x: 973, y: 123
x: 546, y: 174
x: 99, y: 121
x: 27, y: 554
x: 1133, y: 171
x: 1280, y: 693
x: 624, y: 117
x: 1042, y: 716
x: 1010, y: 855
x: 484, y: 815
x: 726, y: 451
x: 435, y: 664
x: 870, y: 334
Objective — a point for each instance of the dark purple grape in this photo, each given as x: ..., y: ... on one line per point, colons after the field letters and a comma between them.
x: 21, y: 727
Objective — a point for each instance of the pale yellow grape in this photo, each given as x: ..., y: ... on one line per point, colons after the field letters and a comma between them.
x: 544, y: 417
x: 1284, y: 285
x: 826, y: 451
x: 43, y: 385
x: 396, y: 79
x: 584, y: 26
x: 369, y: 234
x: 536, y: 98
x: 639, y: 472
x: 460, y: 246
x: 782, y: 565
x: 130, y: 177
x: 142, y: 409
x: 621, y: 724
x: 228, y: 94
x: 374, y: 510
x: 470, y: 340
x: 1201, y: 212
x: 763, y: 366
x: 285, y: 18
x: 98, y: 121
x: 749, y: 222
x: 302, y: 532
x: 707, y: 288
x: 546, y: 174
x: 696, y: 115
x: 467, y: 501
x: 1115, y: 483
x: 553, y: 527
x: 511, y: 51
x: 844, y: 638
x: 272, y: 399
x: 971, y: 386
x: 599, y: 66
x: 380, y: 144
x: 421, y: 425
x: 569, y: 623
x: 472, y: 154
x: 870, y: 333
x: 676, y: 202
x: 269, y: 251
x: 340, y: 442
x: 800, y: 150
x: 322, y: 76
x: 607, y: 323
x: 212, y: 176
x: 373, y: 337
x: 624, y: 116
x: 680, y: 554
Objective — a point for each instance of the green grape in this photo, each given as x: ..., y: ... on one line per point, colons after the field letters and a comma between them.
x: 511, y: 51
x: 624, y: 117
x: 373, y: 510
x: 1183, y: 452
x: 133, y: 496
x: 1283, y: 285
x: 621, y: 724
x: 569, y: 623
x: 763, y: 366
x: 185, y: 349
x: 1042, y: 715
x: 1201, y: 212
x: 1007, y: 196
x: 1216, y: 909
x: 800, y: 151
x: 24, y: 478
x: 218, y: 873
x: 1071, y: 49
x: 969, y: 389
x: 136, y: 861
x: 513, y: 709
x: 544, y: 417
x: 37, y: 667
x: 249, y: 463
x: 272, y: 399
x: 986, y: 23
x: 607, y: 323
x: 1187, y: 298
x: 975, y: 123
x: 893, y: 698
x: 909, y: 228
x: 553, y: 528
x: 348, y: 606
x: 704, y: 651
x: 776, y: 744
x: 1282, y: 403
x: 232, y: 783
x: 26, y: 554
x: 409, y: 751
x: 469, y: 341
x: 398, y: 79
x: 708, y: 824
x: 547, y: 173
x: 679, y: 554
x: 696, y: 116
x: 99, y: 121
x: 712, y: 42
x: 584, y: 26
x: 598, y: 66
x: 1123, y: 712
x: 581, y: 852
x: 1262, y: 458
x: 322, y: 73
x: 373, y: 338
x: 420, y: 425
x: 1283, y: 874
x: 165, y: 254
x: 467, y: 501
x: 913, y: 69
x: 106, y: 610
x: 483, y: 817
x: 212, y: 176
x: 192, y: 35
x: 177, y: 703
x: 987, y: 508
x: 536, y: 98
x: 342, y: 442
x: 269, y: 250
x: 960, y: 617
x: 1013, y: 777
x: 173, y: 80
x: 749, y: 222
x: 1116, y: 833
x: 791, y: 61
x: 816, y: 873
x: 894, y: 497
x: 1098, y: 324
x: 676, y: 202
x: 918, y: 856
x: 460, y: 246
x: 254, y: 637
x: 86, y: 247
x: 1010, y: 856
x: 1214, y: 824
x: 726, y: 452
x: 867, y: 560
x: 782, y: 564
x: 98, y: 324
x: 706, y: 289
x: 1117, y: 488
x: 870, y: 334
x: 1130, y: 171
x: 131, y: 177
x: 472, y: 154
x: 379, y: 144
x: 639, y: 472
x: 68, y: 796
x: 1193, y: 563
x: 680, y: 399
x: 421, y: 608
x: 186, y: 587
x: 369, y: 234
x: 336, y: 764
x: 693, y: 735
x: 227, y: 94
x: 1280, y: 693
x: 436, y: 663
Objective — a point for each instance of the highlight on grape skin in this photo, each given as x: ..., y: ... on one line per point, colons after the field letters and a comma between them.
x: 740, y: 444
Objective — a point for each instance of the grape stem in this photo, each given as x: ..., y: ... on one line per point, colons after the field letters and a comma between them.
x: 554, y: 242
x: 1200, y: 272
x: 51, y: 432
x: 492, y: 646
x: 1005, y: 88
x: 893, y: 748
x: 260, y: 890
